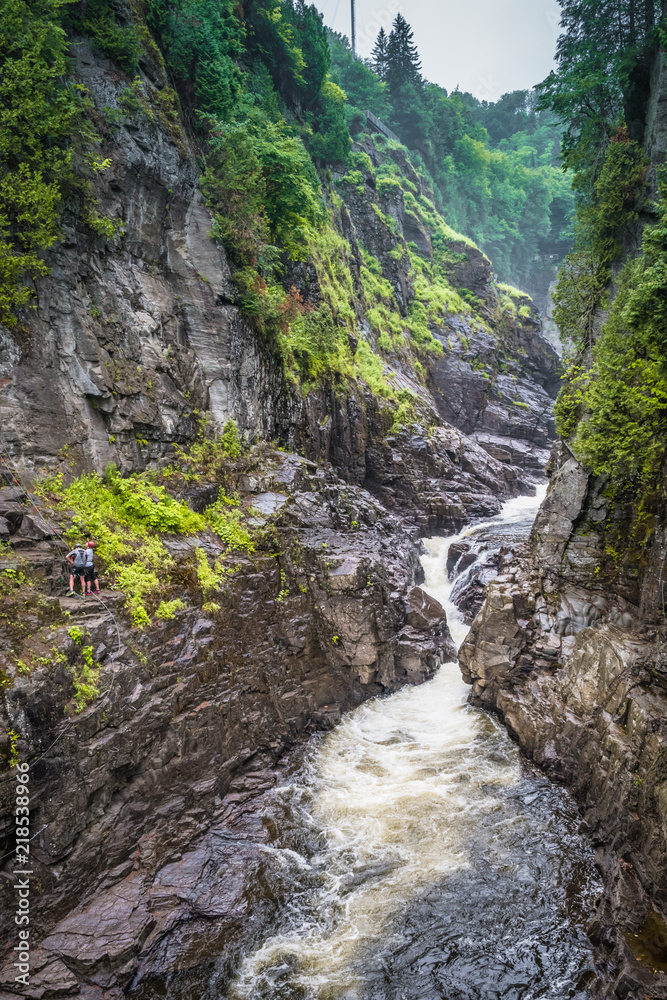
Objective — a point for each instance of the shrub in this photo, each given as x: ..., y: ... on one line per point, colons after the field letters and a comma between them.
x: 260, y: 185
x: 40, y: 112
x: 124, y: 516
x: 167, y: 609
x: 227, y: 520
x: 231, y: 443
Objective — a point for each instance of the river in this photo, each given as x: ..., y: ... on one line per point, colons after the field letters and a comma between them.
x: 433, y: 862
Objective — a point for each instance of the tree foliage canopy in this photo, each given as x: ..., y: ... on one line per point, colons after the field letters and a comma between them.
x: 496, y: 166
x: 604, y: 56
x: 39, y: 114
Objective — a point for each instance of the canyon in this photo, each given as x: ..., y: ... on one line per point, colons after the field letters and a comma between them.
x: 152, y: 801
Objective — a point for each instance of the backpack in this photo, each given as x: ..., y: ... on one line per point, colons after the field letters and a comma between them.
x: 79, y: 559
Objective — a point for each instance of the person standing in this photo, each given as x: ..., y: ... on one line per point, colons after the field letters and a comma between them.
x: 90, y: 571
x: 77, y: 561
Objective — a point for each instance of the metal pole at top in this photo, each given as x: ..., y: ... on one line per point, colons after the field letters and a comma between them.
x: 354, y: 30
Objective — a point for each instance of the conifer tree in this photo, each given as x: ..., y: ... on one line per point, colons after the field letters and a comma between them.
x: 403, y: 62
x: 379, y: 55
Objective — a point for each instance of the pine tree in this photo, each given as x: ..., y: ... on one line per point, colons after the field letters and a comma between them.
x: 403, y: 62
x: 379, y: 54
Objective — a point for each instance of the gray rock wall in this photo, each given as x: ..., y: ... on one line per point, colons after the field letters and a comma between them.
x: 127, y: 341
x: 193, y: 715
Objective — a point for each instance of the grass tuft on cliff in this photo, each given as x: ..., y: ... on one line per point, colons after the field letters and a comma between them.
x: 130, y: 519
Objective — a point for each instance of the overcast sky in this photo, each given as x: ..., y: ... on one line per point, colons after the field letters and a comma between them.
x: 487, y: 47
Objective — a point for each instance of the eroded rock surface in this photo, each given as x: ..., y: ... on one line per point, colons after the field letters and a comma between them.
x: 576, y: 669
x: 140, y: 803
x: 130, y: 803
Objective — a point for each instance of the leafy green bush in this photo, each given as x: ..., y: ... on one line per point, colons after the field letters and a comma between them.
x: 625, y: 389
x: 227, y: 520
x: 121, y: 43
x: 40, y: 112
x: 47, y: 146
x: 331, y: 141
x: 167, y: 609
x: 230, y: 441
x: 261, y: 186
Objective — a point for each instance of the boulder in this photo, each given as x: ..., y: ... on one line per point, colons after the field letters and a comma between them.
x: 35, y: 529
x: 459, y: 558
x: 12, y: 513
x: 12, y: 494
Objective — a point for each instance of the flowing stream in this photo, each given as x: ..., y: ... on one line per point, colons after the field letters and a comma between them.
x: 431, y: 862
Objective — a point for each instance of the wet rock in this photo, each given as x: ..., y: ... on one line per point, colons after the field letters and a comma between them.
x: 569, y: 667
x: 196, y: 712
x: 12, y: 494
x: 456, y: 550
x: 12, y: 513
x: 459, y: 558
x: 34, y: 529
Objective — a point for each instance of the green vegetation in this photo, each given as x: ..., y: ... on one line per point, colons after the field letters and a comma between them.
x: 614, y: 399
x: 602, y: 221
x: 613, y: 319
x: 624, y: 390
x: 40, y: 113
x: 495, y: 166
x: 14, y: 737
x: 47, y: 147
x: 604, y: 58
x: 128, y: 518
x: 262, y: 189
x: 227, y: 519
x: 84, y: 677
x: 122, y: 43
x: 167, y: 609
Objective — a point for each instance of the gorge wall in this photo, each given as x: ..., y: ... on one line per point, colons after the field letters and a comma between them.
x: 130, y: 339
x: 142, y: 788
x: 569, y: 648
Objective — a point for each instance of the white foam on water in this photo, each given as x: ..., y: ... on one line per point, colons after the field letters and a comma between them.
x: 398, y: 789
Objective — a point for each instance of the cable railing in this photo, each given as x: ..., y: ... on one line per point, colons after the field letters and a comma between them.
x: 380, y: 126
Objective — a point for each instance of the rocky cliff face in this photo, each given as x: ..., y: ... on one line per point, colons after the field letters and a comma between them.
x: 193, y: 716
x: 126, y: 341
x: 575, y: 667
x: 569, y: 648
x: 130, y: 340
x: 139, y: 799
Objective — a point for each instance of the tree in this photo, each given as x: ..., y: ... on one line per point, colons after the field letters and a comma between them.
x: 379, y: 55
x: 363, y: 87
x: 604, y: 64
x: 403, y: 62
x: 40, y: 115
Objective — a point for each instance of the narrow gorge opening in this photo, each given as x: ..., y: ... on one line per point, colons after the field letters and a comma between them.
x: 427, y: 855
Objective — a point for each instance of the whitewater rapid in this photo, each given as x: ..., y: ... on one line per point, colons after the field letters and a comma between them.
x: 402, y: 800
